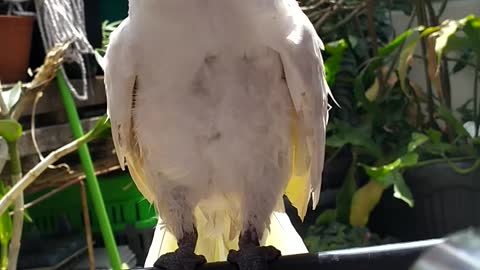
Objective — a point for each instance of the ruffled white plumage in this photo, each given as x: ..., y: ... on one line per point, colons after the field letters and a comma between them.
x: 281, y: 26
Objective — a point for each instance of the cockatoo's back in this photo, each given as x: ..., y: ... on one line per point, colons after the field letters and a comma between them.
x: 211, y: 103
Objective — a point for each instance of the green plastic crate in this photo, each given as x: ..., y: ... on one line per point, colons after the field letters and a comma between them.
x: 123, y: 202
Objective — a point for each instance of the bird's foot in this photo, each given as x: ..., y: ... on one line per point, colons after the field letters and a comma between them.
x: 181, y: 259
x: 253, y: 257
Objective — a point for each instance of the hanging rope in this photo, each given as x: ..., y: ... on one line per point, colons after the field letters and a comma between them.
x: 61, y: 21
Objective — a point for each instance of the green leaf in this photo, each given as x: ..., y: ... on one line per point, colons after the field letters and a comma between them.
x: 333, y: 63
x: 379, y: 173
x: 344, y: 134
x: 445, y: 114
x: 397, y: 42
x: 400, y: 189
x: 434, y: 136
x: 417, y: 140
x: 12, y: 96
x: 100, y: 59
x: 27, y: 216
x: 10, y: 130
x: 101, y: 127
x: 364, y: 201
x: 439, y: 148
x: 456, y: 43
x: 5, y: 221
x: 476, y: 141
x: 345, y: 195
x: 472, y: 30
x: 447, y: 29
x: 463, y: 61
x: 408, y: 160
x: 385, y: 174
x: 326, y: 217
x: 429, y: 31
x: 110, y: 27
x: 405, y: 57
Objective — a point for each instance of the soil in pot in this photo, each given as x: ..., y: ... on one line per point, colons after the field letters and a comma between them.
x: 16, y: 36
x: 445, y: 202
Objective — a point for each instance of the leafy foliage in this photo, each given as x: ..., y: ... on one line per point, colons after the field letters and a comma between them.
x: 107, y: 29
x: 386, y: 120
x: 336, y: 235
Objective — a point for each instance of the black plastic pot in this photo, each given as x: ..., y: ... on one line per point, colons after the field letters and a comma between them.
x: 445, y: 201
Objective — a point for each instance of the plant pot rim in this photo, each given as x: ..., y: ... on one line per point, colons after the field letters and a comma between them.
x: 17, y: 17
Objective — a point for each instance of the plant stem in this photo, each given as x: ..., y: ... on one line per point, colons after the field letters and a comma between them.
x: 372, y: 33
x: 15, y: 165
x: 476, y: 116
x: 445, y: 76
x: 421, y: 17
x: 17, y: 227
x: 3, y: 106
x: 442, y: 8
x: 345, y: 20
x: 465, y: 171
x: 4, y: 258
x: 31, y: 175
x: 91, y: 178
x: 441, y: 160
x: 396, y: 57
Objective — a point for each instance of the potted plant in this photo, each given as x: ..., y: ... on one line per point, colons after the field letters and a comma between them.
x: 397, y: 132
x: 16, y: 33
x: 352, y: 31
x: 444, y: 178
x: 408, y: 141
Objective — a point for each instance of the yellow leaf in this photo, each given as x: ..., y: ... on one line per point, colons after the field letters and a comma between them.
x: 405, y: 57
x: 363, y: 202
x: 372, y: 93
x: 434, y: 67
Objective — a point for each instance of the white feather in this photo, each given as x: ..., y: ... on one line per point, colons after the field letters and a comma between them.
x: 210, y: 133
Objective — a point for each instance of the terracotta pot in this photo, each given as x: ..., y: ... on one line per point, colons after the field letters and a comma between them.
x: 16, y: 36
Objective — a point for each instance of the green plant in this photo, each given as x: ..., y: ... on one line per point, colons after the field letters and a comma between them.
x: 336, y: 235
x: 10, y: 132
x: 393, y: 132
x: 107, y: 29
x: 349, y: 20
x: 12, y: 103
x: 386, y: 121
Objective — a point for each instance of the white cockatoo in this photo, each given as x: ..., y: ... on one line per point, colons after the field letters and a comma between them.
x: 219, y: 108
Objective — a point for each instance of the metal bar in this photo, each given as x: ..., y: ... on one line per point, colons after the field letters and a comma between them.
x: 392, y: 257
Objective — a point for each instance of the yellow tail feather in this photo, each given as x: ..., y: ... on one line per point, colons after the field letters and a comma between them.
x: 281, y: 235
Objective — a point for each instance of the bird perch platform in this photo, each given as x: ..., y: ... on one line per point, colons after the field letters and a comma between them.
x: 399, y: 256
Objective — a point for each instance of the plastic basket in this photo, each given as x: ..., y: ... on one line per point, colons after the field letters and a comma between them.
x: 63, y: 211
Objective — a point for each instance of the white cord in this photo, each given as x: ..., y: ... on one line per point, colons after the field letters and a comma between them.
x: 60, y: 21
